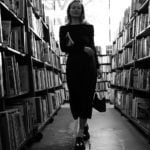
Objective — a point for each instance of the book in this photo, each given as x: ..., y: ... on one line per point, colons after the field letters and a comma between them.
x: 18, y: 129
x: 45, y: 108
x: 11, y: 88
x: 10, y: 4
x: 40, y: 116
x: 16, y: 73
x: 1, y: 32
x: 12, y: 134
x: 20, y: 8
x: 7, y: 130
x: 6, y: 30
x: 27, y: 109
x: 1, y: 77
x: 0, y: 141
x: 50, y: 104
x: 24, y: 77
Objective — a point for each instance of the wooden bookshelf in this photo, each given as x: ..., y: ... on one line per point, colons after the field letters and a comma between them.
x: 130, y: 68
x: 30, y: 73
x: 103, y: 83
x: 63, y: 76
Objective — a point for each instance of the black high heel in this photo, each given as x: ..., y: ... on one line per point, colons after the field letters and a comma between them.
x: 86, y: 134
x: 79, y: 145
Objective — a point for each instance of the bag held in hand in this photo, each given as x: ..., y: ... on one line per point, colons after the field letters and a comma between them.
x: 99, y: 104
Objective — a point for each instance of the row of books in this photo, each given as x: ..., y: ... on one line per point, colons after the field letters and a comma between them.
x: 55, y: 61
x: 105, y: 68
x: 104, y: 94
x: 63, y: 77
x: 129, y: 32
x: 132, y: 78
x: 124, y: 102
x: 14, y: 37
x: 122, y: 78
x: 98, y: 50
x: 17, y: 76
x: 38, y: 7
x: 129, y: 13
x: 142, y: 22
x: 44, y: 79
x: 34, y: 22
x: 136, y: 108
x: 104, y: 59
x: 142, y: 47
x: 20, y: 119
x: 63, y: 60
x: 11, y: 129
x: 136, y: 5
x: 127, y: 16
x: 17, y: 6
x: 63, y: 68
x: 104, y: 77
x: 66, y: 96
x: 139, y: 49
x: 42, y: 52
x: 118, y: 45
x: 140, y: 108
x: 102, y: 86
x: 121, y: 59
x: 38, y: 47
x: 65, y: 86
x: 109, y: 49
x: 141, y: 79
x: 126, y: 36
x: 133, y: 29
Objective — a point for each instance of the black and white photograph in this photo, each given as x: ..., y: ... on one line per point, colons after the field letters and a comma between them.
x: 74, y: 74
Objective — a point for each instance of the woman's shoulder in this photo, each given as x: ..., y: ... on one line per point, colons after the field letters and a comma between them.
x: 83, y: 26
x: 64, y: 26
x: 86, y: 23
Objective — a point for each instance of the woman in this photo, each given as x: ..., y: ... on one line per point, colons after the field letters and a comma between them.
x: 77, y: 40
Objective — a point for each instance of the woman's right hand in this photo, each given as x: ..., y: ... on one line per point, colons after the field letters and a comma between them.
x: 70, y: 42
x: 89, y: 51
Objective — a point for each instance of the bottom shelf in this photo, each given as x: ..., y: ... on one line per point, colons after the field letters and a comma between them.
x: 37, y: 135
x: 137, y: 123
x: 49, y: 120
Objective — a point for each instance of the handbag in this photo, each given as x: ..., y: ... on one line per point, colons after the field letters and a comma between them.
x: 99, y: 104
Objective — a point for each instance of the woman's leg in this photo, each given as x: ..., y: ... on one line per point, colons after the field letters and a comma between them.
x: 82, y: 124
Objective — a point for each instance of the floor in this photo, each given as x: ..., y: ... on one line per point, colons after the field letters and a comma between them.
x: 109, y: 131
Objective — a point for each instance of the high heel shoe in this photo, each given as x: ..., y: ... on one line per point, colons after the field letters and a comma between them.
x: 79, y: 145
x: 86, y: 134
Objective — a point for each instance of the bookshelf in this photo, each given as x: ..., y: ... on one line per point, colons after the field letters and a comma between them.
x: 31, y: 89
x: 63, y: 61
x: 103, y: 83
x: 130, y: 65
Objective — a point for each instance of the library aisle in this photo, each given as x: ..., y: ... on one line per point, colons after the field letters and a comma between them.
x: 109, y: 131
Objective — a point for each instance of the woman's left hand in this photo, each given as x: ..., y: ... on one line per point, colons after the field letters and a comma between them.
x: 89, y: 51
x: 99, y: 74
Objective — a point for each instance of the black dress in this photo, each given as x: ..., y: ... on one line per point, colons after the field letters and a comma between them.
x: 81, y: 68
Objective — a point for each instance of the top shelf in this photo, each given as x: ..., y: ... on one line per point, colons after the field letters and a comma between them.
x: 144, y: 7
x: 8, y: 14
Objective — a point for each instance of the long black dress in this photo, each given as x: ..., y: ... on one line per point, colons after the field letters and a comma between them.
x: 81, y: 68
